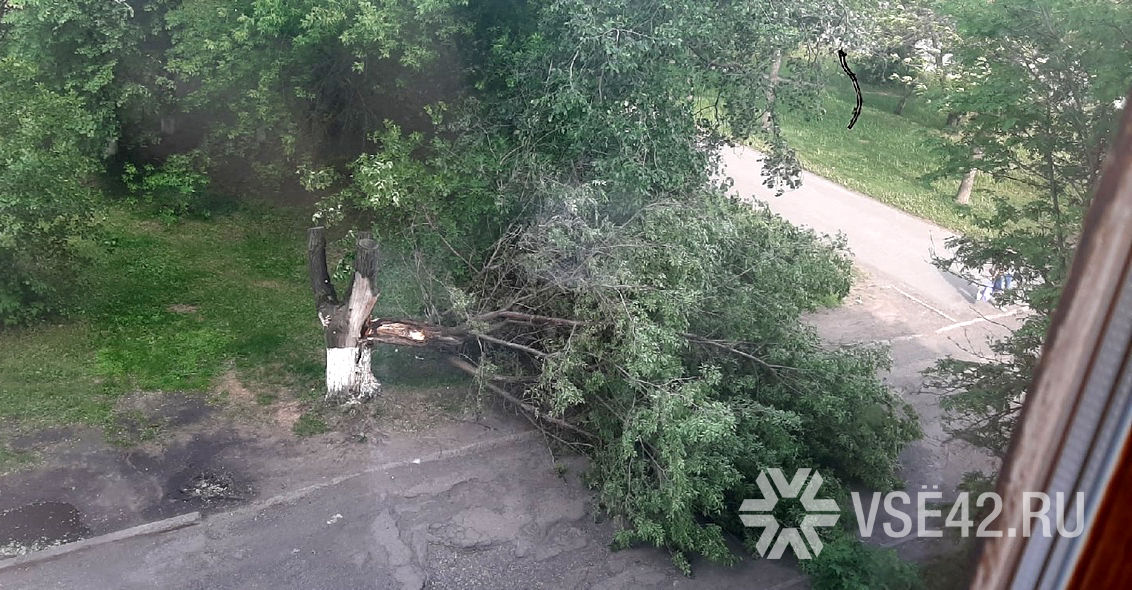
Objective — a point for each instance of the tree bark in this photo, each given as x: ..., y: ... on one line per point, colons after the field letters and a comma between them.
x: 963, y: 197
x: 772, y: 89
x: 349, y: 378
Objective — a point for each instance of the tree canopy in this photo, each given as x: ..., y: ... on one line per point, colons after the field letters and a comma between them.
x: 1040, y: 85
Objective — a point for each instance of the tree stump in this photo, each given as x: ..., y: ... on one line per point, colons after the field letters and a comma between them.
x: 349, y: 377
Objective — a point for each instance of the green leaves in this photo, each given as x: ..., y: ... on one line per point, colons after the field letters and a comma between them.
x: 282, y: 85
x: 1040, y: 84
x: 45, y: 191
x: 551, y: 158
x: 693, y: 367
x: 176, y: 188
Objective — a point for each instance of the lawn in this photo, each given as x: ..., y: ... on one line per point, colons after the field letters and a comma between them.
x: 886, y: 156
x: 171, y: 307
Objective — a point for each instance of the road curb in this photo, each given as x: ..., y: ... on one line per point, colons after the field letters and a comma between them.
x: 192, y: 518
x: 149, y: 528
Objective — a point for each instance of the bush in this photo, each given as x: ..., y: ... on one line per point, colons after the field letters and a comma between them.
x: 46, y: 192
x: 176, y: 188
x: 848, y: 564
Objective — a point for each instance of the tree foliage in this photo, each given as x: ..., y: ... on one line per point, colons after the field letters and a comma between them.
x: 551, y: 170
x: 567, y: 216
x: 45, y: 196
x: 1041, y: 86
x: 278, y: 85
x: 911, y: 42
x: 102, y: 51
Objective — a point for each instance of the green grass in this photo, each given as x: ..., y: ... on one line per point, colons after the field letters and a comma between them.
x: 11, y: 460
x: 309, y: 424
x: 885, y: 156
x: 170, y: 307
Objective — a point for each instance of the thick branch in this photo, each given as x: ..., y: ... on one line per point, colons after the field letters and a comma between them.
x: 528, y: 408
x: 509, y: 344
x: 366, y: 261
x: 325, y: 298
x: 526, y: 317
x: 728, y: 347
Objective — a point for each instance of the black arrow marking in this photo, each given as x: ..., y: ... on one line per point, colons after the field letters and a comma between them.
x: 841, y: 55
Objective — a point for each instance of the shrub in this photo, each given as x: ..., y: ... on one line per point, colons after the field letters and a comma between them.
x: 46, y: 192
x: 176, y: 188
x: 847, y: 564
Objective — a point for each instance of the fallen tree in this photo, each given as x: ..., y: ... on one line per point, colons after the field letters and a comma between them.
x: 668, y: 348
x: 579, y: 256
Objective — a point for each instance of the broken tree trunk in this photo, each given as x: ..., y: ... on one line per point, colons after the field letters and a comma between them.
x: 349, y: 378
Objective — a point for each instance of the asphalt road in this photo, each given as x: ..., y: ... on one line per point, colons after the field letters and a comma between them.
x: 887, y: 242
x: 500, y: 518
x: 901, y: 299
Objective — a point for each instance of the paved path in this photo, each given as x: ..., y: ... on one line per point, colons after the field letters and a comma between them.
x: 885, y: 241
x: 902, y: 300
x: 495, y: 518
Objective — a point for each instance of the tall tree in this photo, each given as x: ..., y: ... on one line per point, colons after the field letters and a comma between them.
x: 1042, y: 85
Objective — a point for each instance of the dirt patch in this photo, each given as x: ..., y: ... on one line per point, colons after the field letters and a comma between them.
x: 416, y: 410
x: 38, y: 525
x: 260, y: 401
x: 169, y: 453
x: 143, y: 416
x: 207, y: 489
x: 286, y: 414
x: 231, y: 383
x: 183, y: 308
